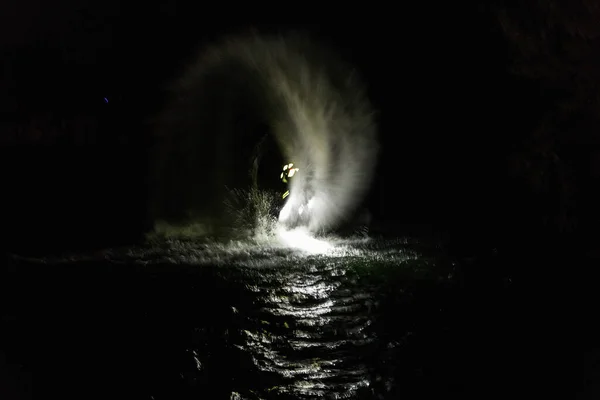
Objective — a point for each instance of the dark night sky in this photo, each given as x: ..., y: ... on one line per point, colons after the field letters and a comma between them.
x: 450, y: 112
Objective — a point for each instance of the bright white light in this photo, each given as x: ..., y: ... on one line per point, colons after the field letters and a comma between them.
x: 299, y: 238
x: 286, y: 211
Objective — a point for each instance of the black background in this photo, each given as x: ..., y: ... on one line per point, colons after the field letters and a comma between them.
x: 450, y: 114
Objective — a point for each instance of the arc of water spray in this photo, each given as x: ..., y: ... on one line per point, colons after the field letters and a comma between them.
x: 312, y: 102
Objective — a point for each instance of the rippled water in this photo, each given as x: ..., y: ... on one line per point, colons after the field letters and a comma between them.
x: 244, y: 320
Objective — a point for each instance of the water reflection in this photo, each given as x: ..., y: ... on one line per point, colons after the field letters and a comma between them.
x: 275, y: 323
x: 307, y: 320
x: 323, y: 317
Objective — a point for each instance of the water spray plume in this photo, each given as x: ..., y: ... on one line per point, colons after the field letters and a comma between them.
x: 301, y: 239
x: 311, y: 103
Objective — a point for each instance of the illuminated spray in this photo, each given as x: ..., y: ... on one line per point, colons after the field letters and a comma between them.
x: 314, y: 106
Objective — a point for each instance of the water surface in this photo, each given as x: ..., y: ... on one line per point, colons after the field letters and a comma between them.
x: 183, y: 319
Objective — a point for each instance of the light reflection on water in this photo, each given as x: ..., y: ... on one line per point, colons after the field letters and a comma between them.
x: 307, y: 321
x: 324, y: 320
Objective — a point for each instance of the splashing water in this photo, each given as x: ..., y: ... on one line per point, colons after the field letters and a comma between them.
x: 242, y: 89
x: 301, y: 239
x: 282, y: 325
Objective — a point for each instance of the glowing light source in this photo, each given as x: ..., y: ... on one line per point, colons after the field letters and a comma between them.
x: 299, y: 238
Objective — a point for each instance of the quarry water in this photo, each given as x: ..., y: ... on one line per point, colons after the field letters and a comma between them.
x: 365, y: 319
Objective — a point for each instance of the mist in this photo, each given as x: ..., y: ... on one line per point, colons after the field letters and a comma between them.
x: 311, y: 103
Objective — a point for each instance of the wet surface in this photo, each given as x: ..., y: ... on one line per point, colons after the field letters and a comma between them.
x: 366, y: 319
